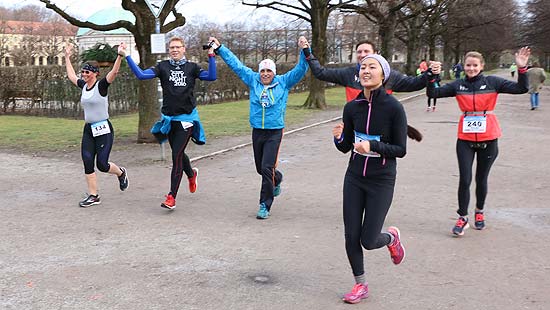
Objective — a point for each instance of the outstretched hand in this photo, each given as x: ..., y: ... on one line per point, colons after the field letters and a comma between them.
x: 435, y: 66
x: 522, y: 56
x: 214, y: 46
x: 302, y: 42
x: 122, y: 49
x: 68, y: 50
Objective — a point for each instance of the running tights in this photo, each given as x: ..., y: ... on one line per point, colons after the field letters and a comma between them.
x: 366, y: 203
x: 92, y: 147
x: 266, y: 143
x: 178, y: 137
x: 487, y: 153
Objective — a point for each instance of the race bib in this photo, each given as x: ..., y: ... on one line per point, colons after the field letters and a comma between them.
x: 100, y: 128
x: 474, y: 124
x: 360, y: 137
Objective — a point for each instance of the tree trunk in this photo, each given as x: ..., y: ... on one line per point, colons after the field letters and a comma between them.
x: 319, y: 19
x: 149, y: 110
x: 413, y: 45
x: 386, y: 33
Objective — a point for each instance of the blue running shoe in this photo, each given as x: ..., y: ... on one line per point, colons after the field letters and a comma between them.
x: 277, y: 188
x: 262, y: 212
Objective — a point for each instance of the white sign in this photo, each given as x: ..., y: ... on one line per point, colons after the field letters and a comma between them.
x: 158, y: 45
x: 155, y: 6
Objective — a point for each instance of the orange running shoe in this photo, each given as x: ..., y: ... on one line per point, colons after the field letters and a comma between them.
x: 193, y: 180
x: 169, y: 203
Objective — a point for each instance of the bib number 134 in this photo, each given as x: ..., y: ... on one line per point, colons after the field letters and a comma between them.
x: 100, y: 128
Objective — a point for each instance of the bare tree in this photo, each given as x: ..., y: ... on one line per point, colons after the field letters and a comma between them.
x: 468, y: 29
x: 316, y: 12
x: 536, y: 27
x: 388, y: 15
x: 421, y: 28
x: 195, y: 36
x: 142, y: 29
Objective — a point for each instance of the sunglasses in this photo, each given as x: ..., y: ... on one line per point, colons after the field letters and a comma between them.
x: 85, y: 71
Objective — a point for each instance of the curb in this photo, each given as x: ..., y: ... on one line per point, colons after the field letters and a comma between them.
x: 239, y: 146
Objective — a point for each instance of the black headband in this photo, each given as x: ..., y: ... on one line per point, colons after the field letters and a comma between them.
x: 90, y: 68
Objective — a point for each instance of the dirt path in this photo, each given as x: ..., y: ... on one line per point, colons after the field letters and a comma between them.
x: 211, y: 252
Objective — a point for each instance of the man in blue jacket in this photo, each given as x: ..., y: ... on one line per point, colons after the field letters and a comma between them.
x: 268, y: 99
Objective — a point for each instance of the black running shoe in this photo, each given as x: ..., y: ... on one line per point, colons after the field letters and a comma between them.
x: 480, y: 221
x: 460, y: 226
x: 90, y: 201
x: 123, y: 179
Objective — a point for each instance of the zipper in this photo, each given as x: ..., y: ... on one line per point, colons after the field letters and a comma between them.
x: 367, y: 131
x: 263, y: 117
x: 474, y: 103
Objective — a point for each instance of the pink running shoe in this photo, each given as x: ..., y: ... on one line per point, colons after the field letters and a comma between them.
x: 358, y: 292
x: 397, y: 251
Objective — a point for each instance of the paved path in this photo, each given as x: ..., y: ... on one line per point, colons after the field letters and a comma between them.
x: 211, y: 252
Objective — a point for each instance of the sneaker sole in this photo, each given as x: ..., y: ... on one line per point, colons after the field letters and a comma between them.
x: 167, y: 207
x: 356, y: 301
x: 479, y: 228
x: 462, y: 233
x: 92, y: 204
x: 402, y: 246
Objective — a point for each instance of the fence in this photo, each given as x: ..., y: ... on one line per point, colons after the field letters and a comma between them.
x: 46, y: 91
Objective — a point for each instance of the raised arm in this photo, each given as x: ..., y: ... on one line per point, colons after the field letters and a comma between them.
x: 110, y: 77
x: 146, y: 74
x: 298, y: 72
x: 243, y: 72
x: 338, y: 76
x: 211, y: 74
x: 69, y: 66
x: 522, y: 86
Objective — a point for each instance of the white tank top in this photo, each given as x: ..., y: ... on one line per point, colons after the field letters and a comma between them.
x: 96, y: 107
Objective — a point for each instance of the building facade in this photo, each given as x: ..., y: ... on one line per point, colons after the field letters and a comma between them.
x: 25, y: 43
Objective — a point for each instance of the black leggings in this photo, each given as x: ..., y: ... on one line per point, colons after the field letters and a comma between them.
x: 487, y: 153
x: 266, y: 144
x: 366, y: 203
x: 99, y: 146
x: 430, y: 99
x: 178, y: 137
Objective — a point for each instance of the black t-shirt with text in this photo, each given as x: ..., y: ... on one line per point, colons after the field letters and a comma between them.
x: 178, y: 83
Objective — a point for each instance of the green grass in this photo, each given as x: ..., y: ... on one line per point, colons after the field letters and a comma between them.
x: 34, y: 134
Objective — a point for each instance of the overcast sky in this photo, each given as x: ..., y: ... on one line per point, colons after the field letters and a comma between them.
x: 220, y: 11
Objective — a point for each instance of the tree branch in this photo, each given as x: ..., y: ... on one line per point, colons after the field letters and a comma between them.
x: 272, y: 6
x: 73, y: 21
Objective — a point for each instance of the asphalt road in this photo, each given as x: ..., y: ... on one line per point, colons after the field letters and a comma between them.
x: 211, y: 252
